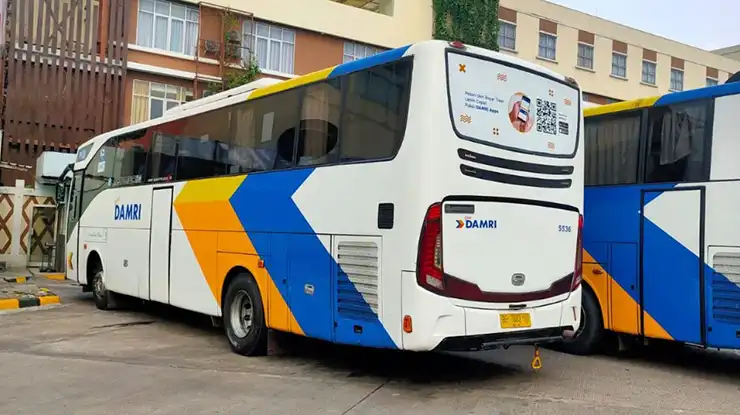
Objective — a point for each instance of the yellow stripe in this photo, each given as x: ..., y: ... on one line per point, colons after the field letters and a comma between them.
x: 620, y: 106
x: 292, y: 83
x: 48, y: 299
x: 57, y: 277
x: 207, y: 190
x: 9, y: 304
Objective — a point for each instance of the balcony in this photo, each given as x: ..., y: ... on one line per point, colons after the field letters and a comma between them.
x: 376, y: 6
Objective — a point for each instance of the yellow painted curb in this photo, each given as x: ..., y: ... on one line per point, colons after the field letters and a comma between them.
x: 35, y: 301
x: 16, y: 280
x: 57, y: 277
x: 49, y: 299
x: 9, y: 304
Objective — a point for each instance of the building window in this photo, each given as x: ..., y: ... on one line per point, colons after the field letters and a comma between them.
x: 676, y: 79
x: 548, y: 44
x: 506, y: 35
x: 585, y: 56
x: 167, y: 26
x: 712, y: 82
x: 354, y: 51
x: 619, y: 64
x: 152, y: 99
x: 272, y: 45
x: 648, y: 72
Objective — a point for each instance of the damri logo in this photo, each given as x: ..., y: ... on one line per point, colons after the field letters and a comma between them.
x: 127, y: 211
x: 467, y: 223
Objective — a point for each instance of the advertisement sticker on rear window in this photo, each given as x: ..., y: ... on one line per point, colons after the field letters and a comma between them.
x: 511, y: 107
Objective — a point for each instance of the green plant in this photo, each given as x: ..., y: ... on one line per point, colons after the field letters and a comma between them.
x: 237, y: 70
x: 474, y: 22
x: 246, y: 73
x: 233, y: 77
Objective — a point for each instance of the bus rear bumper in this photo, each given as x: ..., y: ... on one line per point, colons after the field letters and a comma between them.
x: 498, y: 340
x: 441, y: 323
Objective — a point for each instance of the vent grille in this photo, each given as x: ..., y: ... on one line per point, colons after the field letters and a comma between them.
x: 726, y: 287
x: 357, y: 279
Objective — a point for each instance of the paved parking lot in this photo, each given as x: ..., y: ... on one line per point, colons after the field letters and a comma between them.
x: 73, y: 358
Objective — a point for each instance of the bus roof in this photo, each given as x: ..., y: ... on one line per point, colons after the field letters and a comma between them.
x: 670, y: 98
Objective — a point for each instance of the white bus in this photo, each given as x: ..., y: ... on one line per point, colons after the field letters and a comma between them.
x: 425, y: 198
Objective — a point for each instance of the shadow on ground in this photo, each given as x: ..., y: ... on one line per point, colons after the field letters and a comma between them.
x: 339, y: 360
x: 434, y: 368
x: 692, y: 360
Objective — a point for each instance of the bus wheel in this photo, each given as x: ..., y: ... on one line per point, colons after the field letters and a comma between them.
x: 104, y: 299
x: 589, y: 334
x: 244, y: 317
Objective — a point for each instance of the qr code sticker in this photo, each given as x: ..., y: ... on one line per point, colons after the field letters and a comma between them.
x: 547, y: 117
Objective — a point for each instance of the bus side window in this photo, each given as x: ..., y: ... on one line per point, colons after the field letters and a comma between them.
x: 318, y: 131
x: 131, y: 161
x: 374, y: 116
x: 612, y: 145
x: 99, y: 174
x: 675, y: 147
x: 163, y: 158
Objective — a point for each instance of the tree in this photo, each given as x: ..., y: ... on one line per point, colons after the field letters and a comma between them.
x: 473, y: 22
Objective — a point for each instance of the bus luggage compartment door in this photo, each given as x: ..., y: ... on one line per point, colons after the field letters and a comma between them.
x: 672, y: 264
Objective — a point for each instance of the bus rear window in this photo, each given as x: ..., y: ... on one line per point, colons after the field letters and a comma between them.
x: 509, y: 107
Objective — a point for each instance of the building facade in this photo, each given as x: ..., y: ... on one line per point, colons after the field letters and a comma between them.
x: 731, y: 52
x: 612, y: 62
x: 157, y: 54
x: 174, y: 50
x: 170, y: 56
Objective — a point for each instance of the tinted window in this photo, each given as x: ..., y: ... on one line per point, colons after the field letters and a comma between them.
x: 675, y: 144
x: 375, y: 112
x: 74, y: 202
x: 132, y: 153
x: 99, y: 173
x: 356, y: 117
x: 319, y: 128
x: 198, y: 138
x: 269, y: 134
x: 612, y: 144
x: 163, y: 158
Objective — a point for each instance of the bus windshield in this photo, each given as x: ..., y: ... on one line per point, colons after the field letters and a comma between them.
x: 496, y: 104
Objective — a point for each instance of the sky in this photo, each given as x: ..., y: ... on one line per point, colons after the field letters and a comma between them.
x: 712, y: 25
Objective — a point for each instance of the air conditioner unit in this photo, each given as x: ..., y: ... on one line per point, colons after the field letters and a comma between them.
x: 211, y: 46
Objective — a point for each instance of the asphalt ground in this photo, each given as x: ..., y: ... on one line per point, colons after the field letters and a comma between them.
x: 73, y: 358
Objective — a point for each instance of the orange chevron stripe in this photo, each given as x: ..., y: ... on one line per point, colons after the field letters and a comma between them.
x: 619, y: 310
x: 220, y: 243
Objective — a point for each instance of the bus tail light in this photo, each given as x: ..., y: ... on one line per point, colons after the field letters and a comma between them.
x: 429, y: 273
x: 578, y: 268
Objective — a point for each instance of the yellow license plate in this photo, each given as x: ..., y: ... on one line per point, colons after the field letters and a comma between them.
x: 515, y: 321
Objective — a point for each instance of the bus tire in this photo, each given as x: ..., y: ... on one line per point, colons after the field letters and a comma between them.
x: 104, y: 299
x: 589, y: 334
x: 244, y: 317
